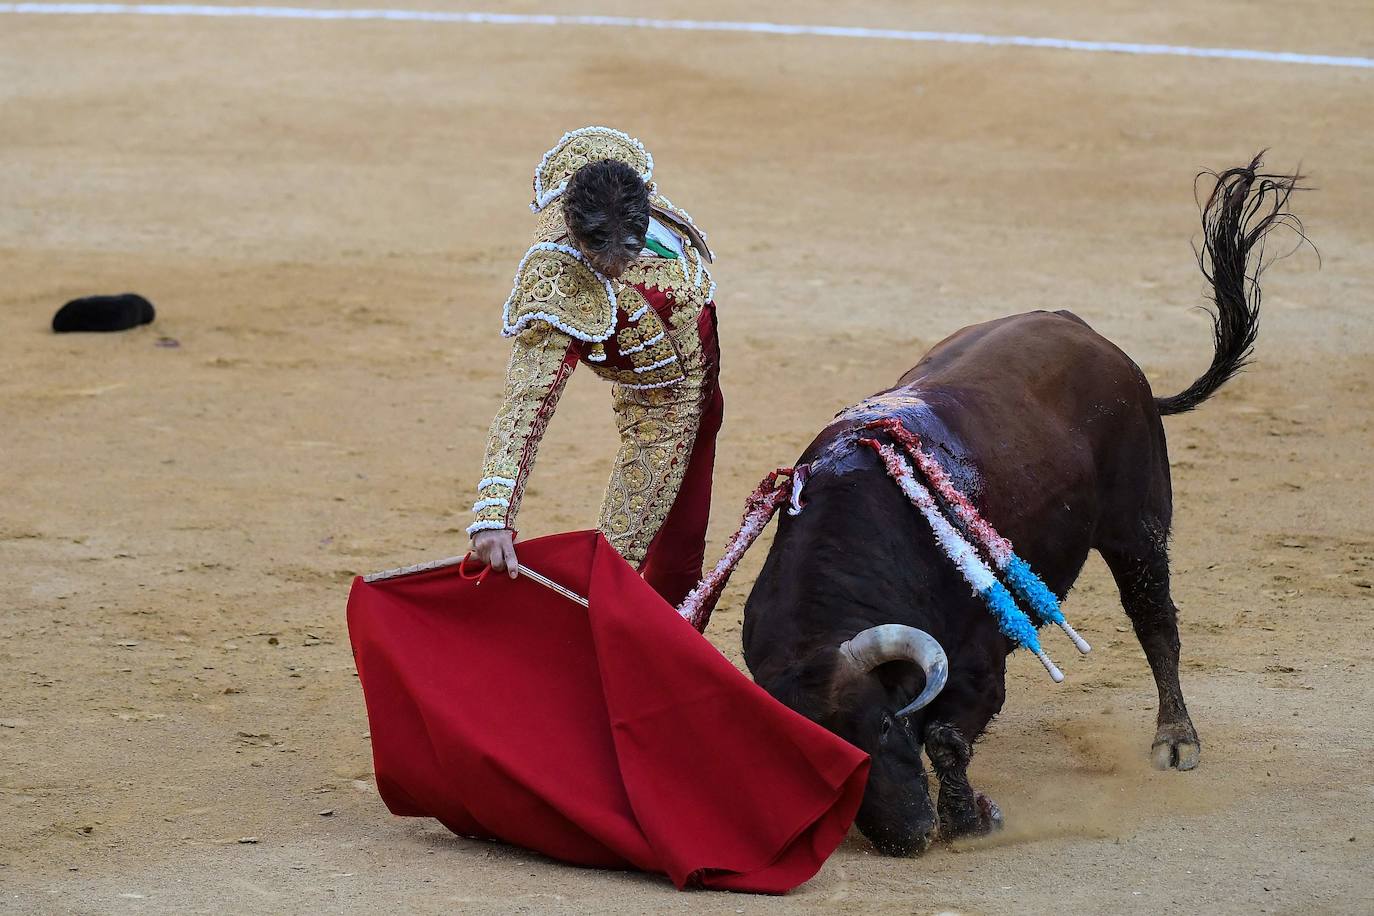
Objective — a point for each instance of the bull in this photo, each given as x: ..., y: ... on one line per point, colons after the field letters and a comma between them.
x: 860, y: 623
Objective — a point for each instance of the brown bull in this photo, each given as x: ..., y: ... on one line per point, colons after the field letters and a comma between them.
x: 1056, y: 436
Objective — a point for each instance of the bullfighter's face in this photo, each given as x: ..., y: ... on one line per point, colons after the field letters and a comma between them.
x: 606, y: 209
x: 608, y: 250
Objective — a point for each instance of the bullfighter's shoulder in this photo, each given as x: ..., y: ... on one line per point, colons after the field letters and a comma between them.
x: 555, y: 284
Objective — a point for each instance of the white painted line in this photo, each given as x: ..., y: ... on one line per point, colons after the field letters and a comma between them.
x: 682, y: 25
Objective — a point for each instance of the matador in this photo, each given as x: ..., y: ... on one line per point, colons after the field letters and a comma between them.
x: 617, y: 278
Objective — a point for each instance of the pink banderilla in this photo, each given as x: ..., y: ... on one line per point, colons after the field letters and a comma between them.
x: 773, y: 491
x: 998, y: 548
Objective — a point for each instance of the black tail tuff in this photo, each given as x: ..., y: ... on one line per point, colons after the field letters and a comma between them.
x: 1245, y: 206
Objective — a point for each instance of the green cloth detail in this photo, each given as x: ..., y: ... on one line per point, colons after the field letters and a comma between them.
x: 659, y: 248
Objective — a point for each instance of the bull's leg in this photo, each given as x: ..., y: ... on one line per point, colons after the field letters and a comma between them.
x: 1142, y: 575
x: 962, y: 811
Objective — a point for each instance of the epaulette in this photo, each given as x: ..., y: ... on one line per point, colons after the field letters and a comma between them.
x: 556, y: 284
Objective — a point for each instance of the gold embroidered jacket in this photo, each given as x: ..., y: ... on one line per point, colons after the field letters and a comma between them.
x: 639, y: 332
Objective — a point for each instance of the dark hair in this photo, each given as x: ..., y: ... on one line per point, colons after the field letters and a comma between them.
x: 606, y: 203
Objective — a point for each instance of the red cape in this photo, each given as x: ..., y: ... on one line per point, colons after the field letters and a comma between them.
x: 614, y: 736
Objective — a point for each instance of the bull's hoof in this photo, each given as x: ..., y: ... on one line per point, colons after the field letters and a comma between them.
x: 1176, y: 747
x: 979, y: 818
x: 902, y: 843
x: 989, y: 814
x: 907, y: 848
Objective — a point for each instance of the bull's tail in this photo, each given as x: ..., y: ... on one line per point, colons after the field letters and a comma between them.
x: 1242, y: 209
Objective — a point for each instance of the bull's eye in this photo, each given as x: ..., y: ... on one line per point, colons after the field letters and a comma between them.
x: 885, y: 729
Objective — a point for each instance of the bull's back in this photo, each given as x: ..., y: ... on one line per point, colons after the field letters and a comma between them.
x: 1035, y: 352
x: 1057, y: 419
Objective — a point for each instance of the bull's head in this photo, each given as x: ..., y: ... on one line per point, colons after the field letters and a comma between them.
x: 874, y: 705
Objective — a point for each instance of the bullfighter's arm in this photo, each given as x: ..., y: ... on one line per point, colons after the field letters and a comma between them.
x: 541, y: 361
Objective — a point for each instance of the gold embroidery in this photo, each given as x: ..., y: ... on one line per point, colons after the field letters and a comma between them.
x: 688, y: 342
x: 580, y: 147
x: 535, y: 379
x: 663, y: 273
x: 667, y: 275
x: 557, y: 287
x: 669, y: 374
x: 658, y: 428
x: 629, y: 337
x: 650, y: 363
x: 550, y: 227
x: 686, y: 281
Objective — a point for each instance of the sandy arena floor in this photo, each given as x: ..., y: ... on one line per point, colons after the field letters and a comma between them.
x: 327, y: 215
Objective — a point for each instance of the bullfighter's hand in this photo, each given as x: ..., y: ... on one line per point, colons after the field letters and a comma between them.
x: 496, y: 548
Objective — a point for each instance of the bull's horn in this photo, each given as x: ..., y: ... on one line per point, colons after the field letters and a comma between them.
x: 892, y: 642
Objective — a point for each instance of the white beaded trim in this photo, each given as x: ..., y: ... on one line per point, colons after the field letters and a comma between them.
x: 640, y: 312
x: 674, y: 208
x: 666, y: 384
x: 510, y: 330
x: 596, y: 357
x: 644, y: 346
x: 484, y: 526
x: 543, y: 198
x: 489, y: 502
x: 499, y: 481
x: 658, y: 365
